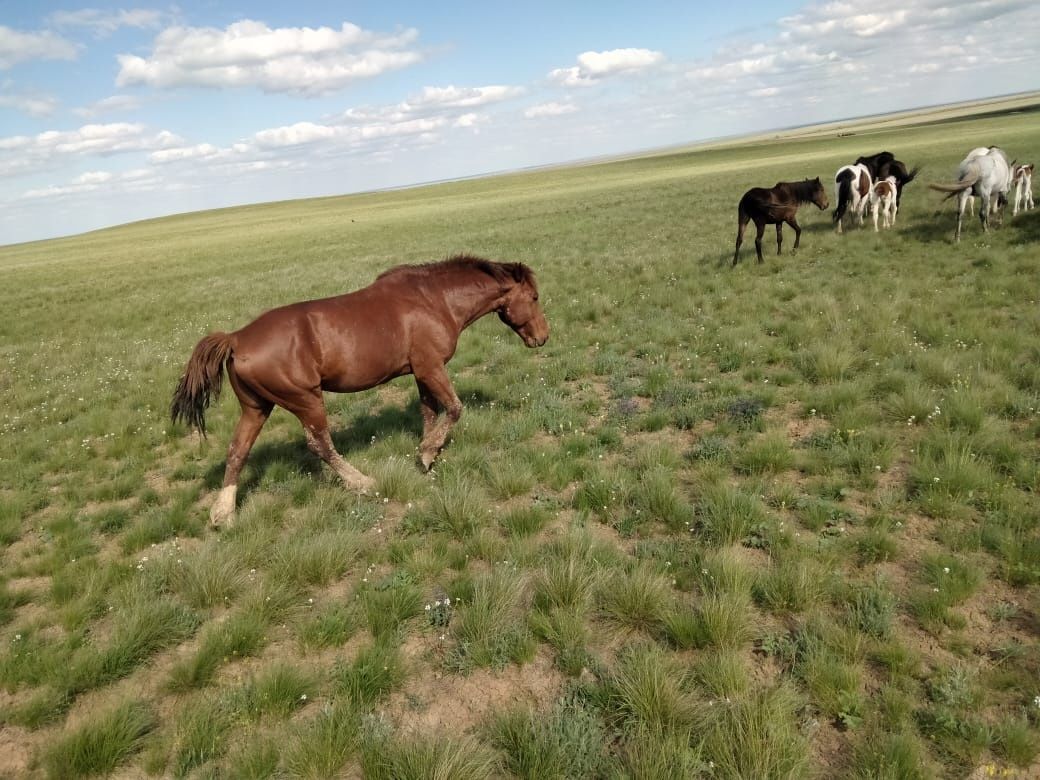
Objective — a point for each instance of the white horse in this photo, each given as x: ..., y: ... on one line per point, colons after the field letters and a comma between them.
x: 883, y: 202
x: 852, y: 185
x: 984, y: 172
x: 1022, y: 178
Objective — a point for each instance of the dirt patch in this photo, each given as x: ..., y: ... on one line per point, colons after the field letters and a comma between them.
x: 15, y: 752
x: 829, y: 747
x: 439, y: 702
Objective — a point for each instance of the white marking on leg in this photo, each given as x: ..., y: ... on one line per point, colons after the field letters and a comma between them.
x: 222, y: 512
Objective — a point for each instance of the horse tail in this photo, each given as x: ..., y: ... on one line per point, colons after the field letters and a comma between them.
x: 912, y: 175
x: 963, y: 184
x: 844, y: 179
x: 200, y: 384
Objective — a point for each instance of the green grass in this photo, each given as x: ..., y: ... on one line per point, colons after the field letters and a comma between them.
x: 100, y: 746
x: 805, y: 492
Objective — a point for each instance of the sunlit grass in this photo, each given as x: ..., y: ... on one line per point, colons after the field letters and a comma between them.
x: 771, y: 521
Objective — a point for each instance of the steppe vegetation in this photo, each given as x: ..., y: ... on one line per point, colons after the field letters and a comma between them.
x: 770, y: 521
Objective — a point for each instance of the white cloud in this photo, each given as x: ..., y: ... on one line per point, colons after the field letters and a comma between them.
x: 431, y: 101
x: 178, y: 153
x: 23, y: 154
x: 135, y: 180
x: 595, y: 65
x: 103, y: 23
x: 92, y: 177
x: 470, y: 120
x: 304, y: 133
x: 299, y: 60
x: 110, y: 105
x: 18, y: 47
x: 552, y: 108
x: 37, y: 106
x: 834, y: 51
x: 462, y: 97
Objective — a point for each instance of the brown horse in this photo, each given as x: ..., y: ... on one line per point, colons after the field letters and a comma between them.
x: 775, y: 206
x: 406, y: 322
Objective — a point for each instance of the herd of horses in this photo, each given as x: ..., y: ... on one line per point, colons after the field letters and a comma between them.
x: 876, y: 182
x: 408, y: 321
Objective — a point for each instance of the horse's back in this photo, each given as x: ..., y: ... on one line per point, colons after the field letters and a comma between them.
x: 342, y: 343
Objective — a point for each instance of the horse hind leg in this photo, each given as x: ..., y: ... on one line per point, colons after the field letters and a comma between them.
x: 962, y: 203
x: 760, y: 230
x: 779, y: 237
x: 310, y: 411
x: 255, y: 412
x: 742, y: 220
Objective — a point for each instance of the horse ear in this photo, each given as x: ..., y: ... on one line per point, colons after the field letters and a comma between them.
x: 519, y: 272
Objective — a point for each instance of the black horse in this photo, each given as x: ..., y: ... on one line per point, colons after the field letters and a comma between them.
x: 884, y: 164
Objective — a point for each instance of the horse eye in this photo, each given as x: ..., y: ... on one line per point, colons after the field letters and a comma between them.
x: 536, y: 296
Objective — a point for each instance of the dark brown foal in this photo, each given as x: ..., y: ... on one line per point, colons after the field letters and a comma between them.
x: 775, y: 206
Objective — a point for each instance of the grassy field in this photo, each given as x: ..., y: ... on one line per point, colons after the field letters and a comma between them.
x: 770, y: 521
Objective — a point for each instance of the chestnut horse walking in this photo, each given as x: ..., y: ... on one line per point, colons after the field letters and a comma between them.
x: 406, y: 322
x: 775, y: 206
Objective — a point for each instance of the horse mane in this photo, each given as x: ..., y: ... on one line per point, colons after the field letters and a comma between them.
x: 503, y: 273
x: 803, y: 190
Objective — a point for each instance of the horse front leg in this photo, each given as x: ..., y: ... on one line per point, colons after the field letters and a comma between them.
x: 779, y: 237
x: 441, y: 392
x: 793, y: 222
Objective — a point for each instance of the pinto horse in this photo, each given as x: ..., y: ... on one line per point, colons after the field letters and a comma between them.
x: 406, y: 322
x: 1022, y: 178
x: 775, y: 206
x: 883, y: 202
x: 852, y: 184
x: 884, y: 164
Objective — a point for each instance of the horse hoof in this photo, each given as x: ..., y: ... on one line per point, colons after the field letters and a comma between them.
x: 222, y: 513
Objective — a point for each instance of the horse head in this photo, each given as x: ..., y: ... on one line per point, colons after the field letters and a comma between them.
x: 520, y: 310
x: 819, y: 194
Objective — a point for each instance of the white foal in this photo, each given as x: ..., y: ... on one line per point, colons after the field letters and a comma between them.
x: 883, y: 202
x: 1022, y: 178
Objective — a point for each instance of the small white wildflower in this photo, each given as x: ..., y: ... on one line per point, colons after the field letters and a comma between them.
x: 303, y: 697
x: 427, y: 607
x: 946, y: 569
x: 447, y: 602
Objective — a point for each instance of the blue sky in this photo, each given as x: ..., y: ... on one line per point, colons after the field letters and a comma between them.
x: 115, y: 112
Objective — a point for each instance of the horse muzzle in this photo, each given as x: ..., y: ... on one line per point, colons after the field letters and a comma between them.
x: 535, y: 334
